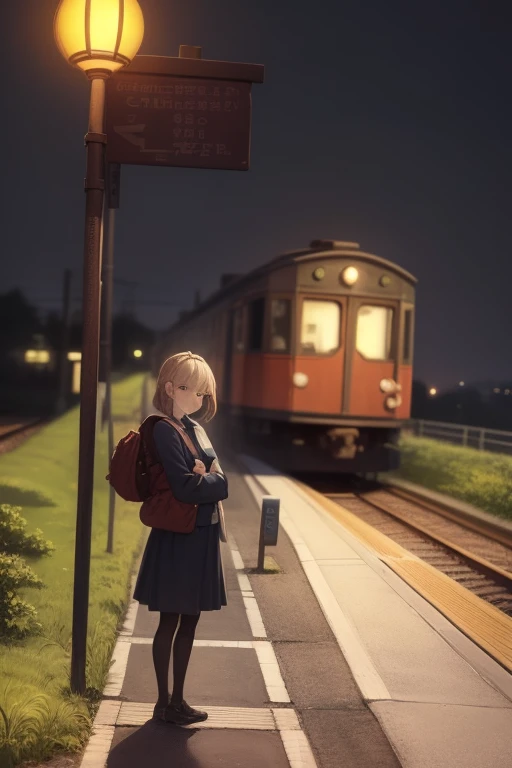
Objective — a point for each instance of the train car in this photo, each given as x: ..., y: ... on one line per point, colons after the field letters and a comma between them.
x: 312, y: 353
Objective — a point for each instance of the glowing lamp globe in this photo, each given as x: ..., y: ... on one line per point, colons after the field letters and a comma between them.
x: 98, y: 35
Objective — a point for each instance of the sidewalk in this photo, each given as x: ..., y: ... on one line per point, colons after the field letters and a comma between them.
x: 232, y: 675
x: 235, y: 675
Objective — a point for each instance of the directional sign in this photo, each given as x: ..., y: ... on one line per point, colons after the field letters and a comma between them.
x: 270, y: 513
x: 192, y: 122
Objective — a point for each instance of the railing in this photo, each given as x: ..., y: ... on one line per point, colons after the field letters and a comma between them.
x: 483, y: 439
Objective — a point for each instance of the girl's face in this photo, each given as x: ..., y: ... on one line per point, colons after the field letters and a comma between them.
x: 186, y: 399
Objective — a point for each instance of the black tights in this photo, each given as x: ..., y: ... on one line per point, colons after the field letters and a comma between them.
x: 162, y: 644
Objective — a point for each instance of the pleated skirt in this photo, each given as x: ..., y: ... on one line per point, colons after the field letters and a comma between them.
x: 182, y: 572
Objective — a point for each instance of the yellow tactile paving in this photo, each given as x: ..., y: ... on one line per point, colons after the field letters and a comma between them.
x: 482, y: 622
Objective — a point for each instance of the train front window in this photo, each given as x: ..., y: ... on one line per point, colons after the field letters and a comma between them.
x: 280, y: 331
x: 374, y: 332
x: 320, y: 327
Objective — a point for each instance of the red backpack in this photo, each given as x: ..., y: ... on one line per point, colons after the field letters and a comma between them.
x: 132, y: 460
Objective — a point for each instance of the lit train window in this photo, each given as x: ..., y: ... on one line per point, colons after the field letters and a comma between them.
x: 320, y: 327
x: 374, y: 332
x: 280, y: 331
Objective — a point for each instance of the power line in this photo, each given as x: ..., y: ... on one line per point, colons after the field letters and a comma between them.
x: 138, y: 301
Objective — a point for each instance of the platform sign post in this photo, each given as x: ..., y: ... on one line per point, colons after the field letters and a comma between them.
x: 269, y: 527
x: 168, y: 111
x: 181, y: 111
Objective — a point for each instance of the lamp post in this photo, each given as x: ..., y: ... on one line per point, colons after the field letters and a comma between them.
x: 99, y: 37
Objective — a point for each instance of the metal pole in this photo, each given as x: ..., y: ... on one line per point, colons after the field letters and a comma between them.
x: 113, y: 181
x: 63, y: 363
x: 94, y: 186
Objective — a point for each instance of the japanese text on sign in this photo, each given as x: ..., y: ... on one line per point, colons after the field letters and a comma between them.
x: 170, y: 120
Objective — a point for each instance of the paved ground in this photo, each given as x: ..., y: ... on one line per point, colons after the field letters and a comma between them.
x: 255, y: 720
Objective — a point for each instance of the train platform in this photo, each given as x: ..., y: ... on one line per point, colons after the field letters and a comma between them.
x: 330, y: 659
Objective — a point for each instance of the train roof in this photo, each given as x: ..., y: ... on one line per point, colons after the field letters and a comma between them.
x: 317, y: 249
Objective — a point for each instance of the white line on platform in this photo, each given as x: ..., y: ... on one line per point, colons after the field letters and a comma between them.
x: 269, y: 665
x: 118, y: 668
x: 366, y: 676
x: 131, y: 614
x: 245, y: 584
x: 297, y: 749
x: 237, y: 560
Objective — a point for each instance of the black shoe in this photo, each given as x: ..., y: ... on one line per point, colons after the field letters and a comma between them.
x: 179, y: 714
x: 197, y: 714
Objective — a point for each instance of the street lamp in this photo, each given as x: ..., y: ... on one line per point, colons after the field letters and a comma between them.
x: 99, y: 37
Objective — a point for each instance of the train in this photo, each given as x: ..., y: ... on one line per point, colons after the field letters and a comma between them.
x: 312, y: 353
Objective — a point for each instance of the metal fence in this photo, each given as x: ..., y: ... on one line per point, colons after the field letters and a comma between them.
x: 494, y: 440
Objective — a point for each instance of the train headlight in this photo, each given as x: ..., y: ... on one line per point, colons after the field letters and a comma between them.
x: 300, y: 380
x: 395, y: 401
x: 349, y: 275
x: 388, y: 386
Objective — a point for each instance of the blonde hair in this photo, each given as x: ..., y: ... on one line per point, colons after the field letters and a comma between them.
x: 193, y: 371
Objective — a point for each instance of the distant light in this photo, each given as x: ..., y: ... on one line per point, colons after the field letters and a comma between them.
x: 461, y: 383
x: 507, y: 391
x: 74, y: 356
x: 432, y: 391
x: 137, y: 353
x: 75, y: 382
x: 37, y: 356
x: 496, y: 390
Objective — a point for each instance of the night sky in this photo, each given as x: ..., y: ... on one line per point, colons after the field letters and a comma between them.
x: 385, y: 123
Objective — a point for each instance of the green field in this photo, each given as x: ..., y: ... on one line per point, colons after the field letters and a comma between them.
x: 476, y: 477
x: 40, y: 716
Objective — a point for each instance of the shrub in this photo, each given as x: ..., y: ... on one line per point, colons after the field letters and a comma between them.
x: 17, y: 617
x: 13, y: 537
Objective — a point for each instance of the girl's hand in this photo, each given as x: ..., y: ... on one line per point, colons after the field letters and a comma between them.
x: 199, y: 468
x: 215, y: 467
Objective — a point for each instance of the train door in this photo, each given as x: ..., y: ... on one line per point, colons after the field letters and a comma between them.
x: 319, y: 354
x: 371, y: 355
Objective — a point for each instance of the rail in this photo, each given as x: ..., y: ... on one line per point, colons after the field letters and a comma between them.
x: 481, y: 438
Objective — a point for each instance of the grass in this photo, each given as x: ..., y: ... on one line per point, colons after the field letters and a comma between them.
x: 476, y: 477
x: 38, y: 714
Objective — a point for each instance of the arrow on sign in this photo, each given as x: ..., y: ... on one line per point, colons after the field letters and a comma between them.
x: 128, y: 132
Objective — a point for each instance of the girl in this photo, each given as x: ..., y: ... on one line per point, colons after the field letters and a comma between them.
x: 181, y: 573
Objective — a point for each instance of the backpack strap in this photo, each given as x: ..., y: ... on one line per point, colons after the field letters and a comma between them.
x: 146, y: 431
x: 186, y: 439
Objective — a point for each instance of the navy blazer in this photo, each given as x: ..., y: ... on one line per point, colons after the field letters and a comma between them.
x: 178, y: 463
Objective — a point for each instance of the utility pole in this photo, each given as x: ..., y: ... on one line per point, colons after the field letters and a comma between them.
x: 105, y: 376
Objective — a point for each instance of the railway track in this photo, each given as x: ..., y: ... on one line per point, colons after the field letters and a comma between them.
x: 478, y: 561
x: 15, y: 431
